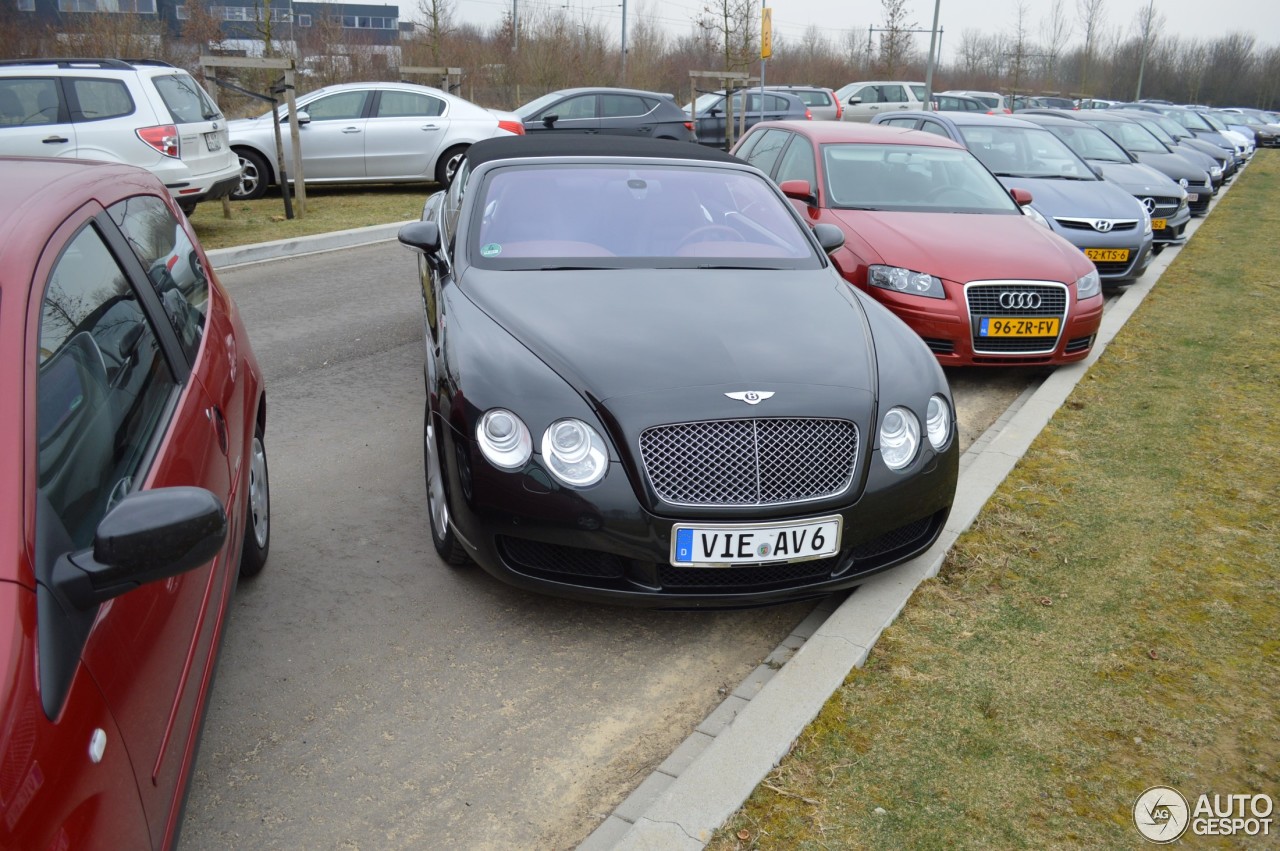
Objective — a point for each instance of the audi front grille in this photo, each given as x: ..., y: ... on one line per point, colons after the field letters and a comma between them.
x: 750, y: 462
x: 1015, y: 299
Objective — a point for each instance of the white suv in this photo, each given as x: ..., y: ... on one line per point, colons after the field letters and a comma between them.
x: 141, y: 112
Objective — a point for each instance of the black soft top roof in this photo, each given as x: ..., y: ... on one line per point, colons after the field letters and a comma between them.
x: 554, y: 144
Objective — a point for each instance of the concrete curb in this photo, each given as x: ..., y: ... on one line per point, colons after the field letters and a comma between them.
x: 715, y: 770
x: 226, y: 258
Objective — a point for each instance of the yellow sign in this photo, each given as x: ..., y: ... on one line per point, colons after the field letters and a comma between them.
x: 766, y: 32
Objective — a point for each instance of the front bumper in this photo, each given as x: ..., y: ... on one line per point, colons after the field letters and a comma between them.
x: 1134, y: 240
x: 601, y: 544
x: 946, y: 327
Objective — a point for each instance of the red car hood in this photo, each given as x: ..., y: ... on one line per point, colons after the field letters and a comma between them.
x: 963, y: 247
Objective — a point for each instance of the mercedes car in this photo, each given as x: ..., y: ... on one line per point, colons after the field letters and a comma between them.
x: 647, y: 384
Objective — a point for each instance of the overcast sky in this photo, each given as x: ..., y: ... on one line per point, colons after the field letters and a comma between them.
x: 1202, y: 19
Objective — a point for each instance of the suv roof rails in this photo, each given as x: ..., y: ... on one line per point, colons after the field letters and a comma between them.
x: 159, y: 62
x: 67, y: 62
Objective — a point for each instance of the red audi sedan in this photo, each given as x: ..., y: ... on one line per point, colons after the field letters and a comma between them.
x: 932, y: 235
x: 134, y: 484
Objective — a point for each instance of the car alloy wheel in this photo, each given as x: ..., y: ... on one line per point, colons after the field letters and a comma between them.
x: 442, y: 537
x: 253, y: 176
x: 257, y: 535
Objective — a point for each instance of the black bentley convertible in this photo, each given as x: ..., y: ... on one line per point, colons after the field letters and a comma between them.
x: 648, y: 385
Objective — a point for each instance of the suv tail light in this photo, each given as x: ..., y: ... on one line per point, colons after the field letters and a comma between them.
x: 839, y: 107
x: 512, y: 127
x: 808, y: 116
x: 164, y: 138
x: 688, y: 125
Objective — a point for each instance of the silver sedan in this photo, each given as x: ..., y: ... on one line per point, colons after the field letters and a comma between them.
x: 368, y: 133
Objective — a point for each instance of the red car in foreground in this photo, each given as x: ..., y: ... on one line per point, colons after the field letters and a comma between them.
x: 133, y: 482
x: 932, y: 235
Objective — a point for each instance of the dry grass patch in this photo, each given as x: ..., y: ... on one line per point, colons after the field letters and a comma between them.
x: 1111, y: 622
x: 328, y: 209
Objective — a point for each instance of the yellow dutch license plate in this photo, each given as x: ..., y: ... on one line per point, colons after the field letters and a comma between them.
x: 1021, y: 326
x: 1158, y: 224
x: 1115, y: 255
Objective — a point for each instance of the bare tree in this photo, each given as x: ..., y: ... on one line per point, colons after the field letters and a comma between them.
x: 1093, y: 16
x: 1022, y: 48
x: 896, y: 42
x: 1147, y: 24
x: 1055, y: 29
x: 437, y: 26
x: 732, y: 24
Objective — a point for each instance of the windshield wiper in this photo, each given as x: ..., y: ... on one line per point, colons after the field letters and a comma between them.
x: 571, y: 268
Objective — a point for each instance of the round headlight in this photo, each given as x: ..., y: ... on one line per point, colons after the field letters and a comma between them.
x: 899, y: 438
x: 504, y: 439
x: 574, y: 453
x: 938, y: 422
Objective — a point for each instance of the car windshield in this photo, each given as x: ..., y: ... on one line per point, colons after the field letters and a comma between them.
x: 1134, y: 137
x: 654, y: 215
x: 910, y: 178
x: 1214, y: 122
x: 534, y: 106
x: 1090, y: 143
x: 705, y: 102
x: 1012, y: 151
x: 1191, y: 120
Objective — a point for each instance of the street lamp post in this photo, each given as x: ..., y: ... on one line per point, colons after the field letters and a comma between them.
x: 1146, y: 42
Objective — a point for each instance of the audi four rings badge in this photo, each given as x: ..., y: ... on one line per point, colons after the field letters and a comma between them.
x: 751, y: 397
x: 1010, y: 301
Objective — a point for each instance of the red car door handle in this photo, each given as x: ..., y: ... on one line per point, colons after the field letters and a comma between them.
x: 219, y: 426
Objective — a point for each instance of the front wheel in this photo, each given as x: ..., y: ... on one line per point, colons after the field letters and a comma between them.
x: 446, y: 543
x: 255, y: 174
x: 447, y: 165
x: 257, y: 525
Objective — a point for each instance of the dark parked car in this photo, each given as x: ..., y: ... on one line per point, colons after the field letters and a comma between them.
x: 930, y: 234
x: 648, y: 384
x: 1181, y: 141
x: 1188, y: 168
x: 822, y: 102
x: 613, y: 112
x: 1165, y: 200
x: 133, y: 468
x: 710, y: 109
x: 1100, y: 218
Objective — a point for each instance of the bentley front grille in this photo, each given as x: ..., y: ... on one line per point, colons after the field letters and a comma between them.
x: 750, y: 462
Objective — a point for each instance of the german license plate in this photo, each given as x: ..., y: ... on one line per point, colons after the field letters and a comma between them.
x: 1022, y: 326
x: 1107, y: 254
x: 1158, y: 224
x: 733, y: 545
x: 213, y: 141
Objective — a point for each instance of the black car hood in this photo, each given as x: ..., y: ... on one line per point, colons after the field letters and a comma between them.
x: 631, y: 332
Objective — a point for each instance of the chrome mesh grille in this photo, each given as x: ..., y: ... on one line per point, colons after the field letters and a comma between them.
x: 749, y: 462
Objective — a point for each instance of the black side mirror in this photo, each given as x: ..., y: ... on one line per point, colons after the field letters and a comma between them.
x: 549, y: 121
x: 149, y: 535
x: 421, y: 236
x: 829, y: 236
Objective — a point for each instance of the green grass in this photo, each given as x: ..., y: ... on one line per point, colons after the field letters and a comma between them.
x: 328, y: 209
x: 1112, y: 620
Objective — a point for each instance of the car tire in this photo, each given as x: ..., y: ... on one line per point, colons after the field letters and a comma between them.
x: 446, y: 543
x: 447, y: 165
x: 255, y: 175
x: 257, y: 522
x: 187, y: 207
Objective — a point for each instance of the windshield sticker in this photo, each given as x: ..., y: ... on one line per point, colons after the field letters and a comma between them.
x: 493, y: 249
